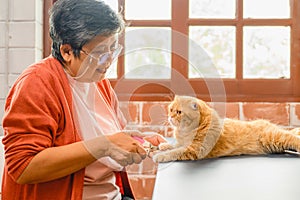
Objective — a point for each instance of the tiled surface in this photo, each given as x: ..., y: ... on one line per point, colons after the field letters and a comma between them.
x: 2, y: 102
x: 229, y: 110
x: 297, y: 111
x: 154, y: 113
x: 3, y: 10
x: 147, y: 166
x: 11, y: 79
x: 22, y: 10
x: 275, y: 112
x: 3, y: 86
x: 19, y: 59
x: 38, y: 55
x: 1, y: 156
x: 142, y: 186
x: 39, y: 37
x: 2, y: 33
x: 131, y: 112
x: 142, y: 178
x: 20, y: 27
x: 3, y: 61
x: 295, y: 114
x: 39, y: 6
x: 22, y: 34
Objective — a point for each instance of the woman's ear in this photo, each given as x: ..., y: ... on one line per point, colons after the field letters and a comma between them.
x: 66, y: 52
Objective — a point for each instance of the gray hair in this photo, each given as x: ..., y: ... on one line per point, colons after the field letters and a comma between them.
x: 76, y: 22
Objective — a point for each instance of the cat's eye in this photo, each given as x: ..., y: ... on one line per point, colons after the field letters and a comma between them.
x: 194, y: 106
x: 178, y: 111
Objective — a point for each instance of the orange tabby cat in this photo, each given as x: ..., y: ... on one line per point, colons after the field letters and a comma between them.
x: 201, y: 133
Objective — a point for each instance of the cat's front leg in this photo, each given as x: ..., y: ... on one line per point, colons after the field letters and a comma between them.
x: 165, y: 146
x: 170, y: 155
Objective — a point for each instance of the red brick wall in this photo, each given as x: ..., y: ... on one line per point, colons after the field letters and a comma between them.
x: 152, y: 116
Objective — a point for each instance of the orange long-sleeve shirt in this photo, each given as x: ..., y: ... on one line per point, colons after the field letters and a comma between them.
x: 38, y: 115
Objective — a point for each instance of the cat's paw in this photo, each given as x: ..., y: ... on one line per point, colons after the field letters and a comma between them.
x: 165, y: 146
x: 161, y: 157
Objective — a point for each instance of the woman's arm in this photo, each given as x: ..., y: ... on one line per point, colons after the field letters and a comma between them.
x: 56, y: 162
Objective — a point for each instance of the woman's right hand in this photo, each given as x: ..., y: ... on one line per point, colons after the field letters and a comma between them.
x: 124, y: 149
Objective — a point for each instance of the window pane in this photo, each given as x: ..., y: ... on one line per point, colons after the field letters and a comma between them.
x: 148, y: 53
x: 112, y: 71
x: 219, y: 43
x: 212, y: 8
x: 266, y: 8
x: 146, y: 9
x: 267, y: 52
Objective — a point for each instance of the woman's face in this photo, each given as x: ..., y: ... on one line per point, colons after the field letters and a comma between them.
x: 95, y: 58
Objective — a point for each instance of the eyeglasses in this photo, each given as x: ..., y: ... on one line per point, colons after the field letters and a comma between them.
x: 103, y: 57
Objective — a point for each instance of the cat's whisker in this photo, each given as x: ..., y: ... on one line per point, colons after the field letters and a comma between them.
x: 166, y: 123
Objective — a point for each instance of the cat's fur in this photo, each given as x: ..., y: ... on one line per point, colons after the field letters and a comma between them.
x: 201, y: 133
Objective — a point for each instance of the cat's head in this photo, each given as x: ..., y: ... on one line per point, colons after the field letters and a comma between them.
x: 185, y: 112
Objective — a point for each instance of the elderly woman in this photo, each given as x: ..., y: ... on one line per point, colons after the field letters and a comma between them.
x: 63, y: 129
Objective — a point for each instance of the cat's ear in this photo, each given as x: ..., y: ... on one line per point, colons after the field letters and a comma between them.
x: 194, y: 106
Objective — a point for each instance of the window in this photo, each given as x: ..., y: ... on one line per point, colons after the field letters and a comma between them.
x: 218, y: 50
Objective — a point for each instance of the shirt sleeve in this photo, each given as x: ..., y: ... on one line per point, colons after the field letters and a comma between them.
x: 30, y: 122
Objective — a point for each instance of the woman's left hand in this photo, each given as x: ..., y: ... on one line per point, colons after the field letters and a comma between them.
x: 150, y: 140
